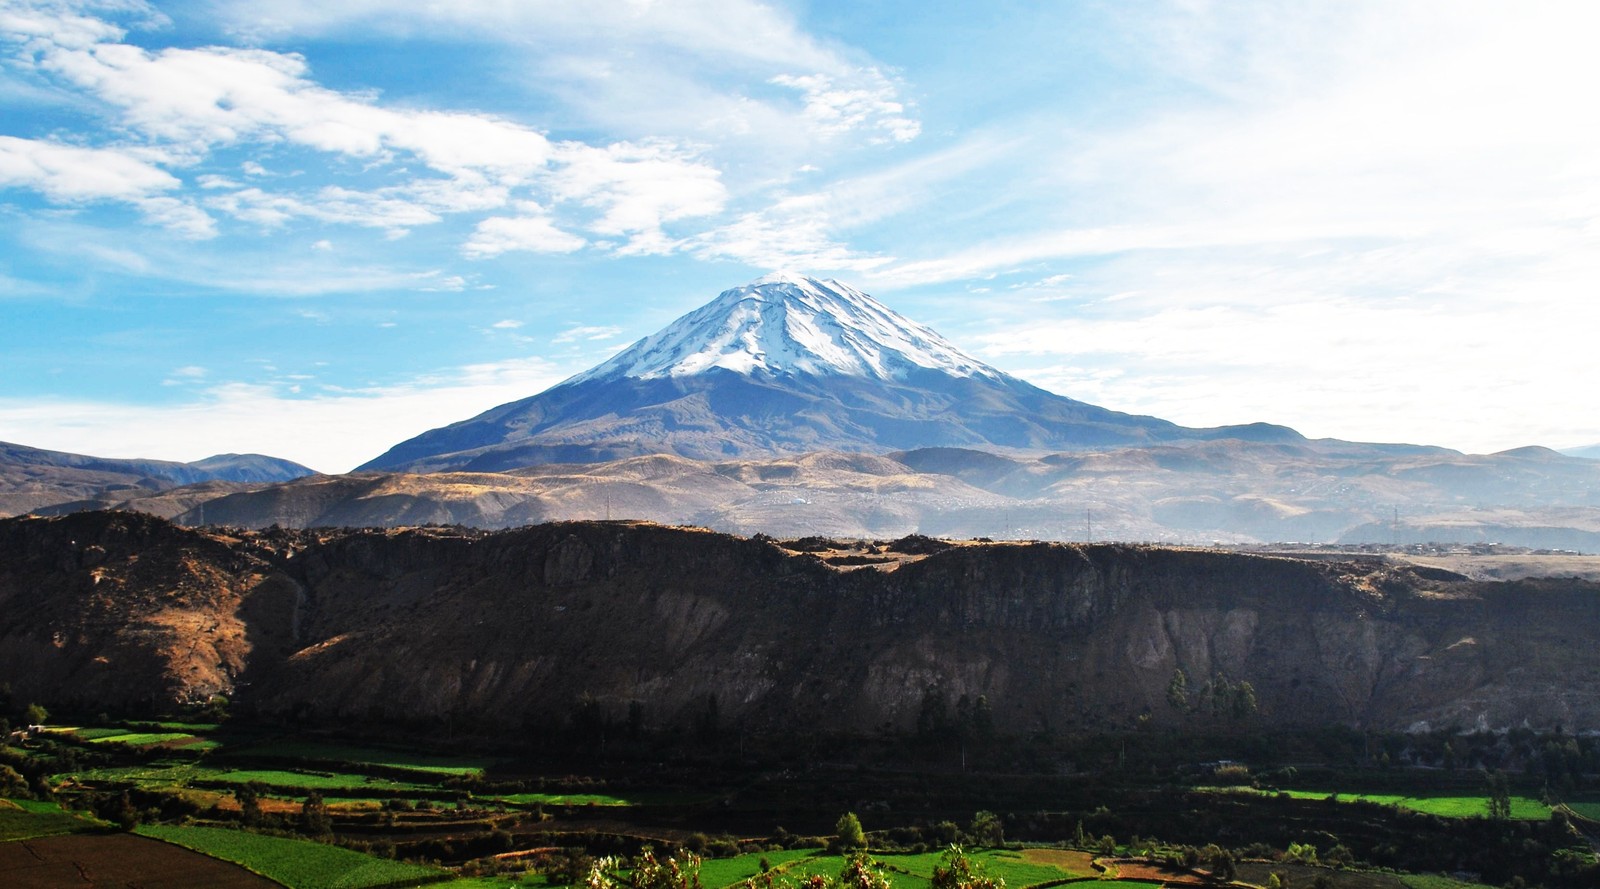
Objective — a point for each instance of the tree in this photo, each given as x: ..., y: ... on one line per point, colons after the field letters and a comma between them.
x: 1220, y: 861
x: 35, y: 714
x: 217, y: 708
x: 1244, y: 700
x: 955, y: 871
x: 987, y: 829
x: 648, y: 872
x: 1499, y: 796
x: 12, y: 784
x: 1305, y: 853
x: 249, y: 798
x: 982, y: 720
x: 1178, y: 691
x: 859, y: 873
x: 849, y: 834
x: 933, y: 717
x: 652, y: 873
x: 635, y: 720
x: 118, y: 809
x: 314, y: 816
x: 708, y: 725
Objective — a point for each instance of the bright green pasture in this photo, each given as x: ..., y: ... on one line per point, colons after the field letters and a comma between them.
x: 831, y: 865
x: 1522, y: 808
x: 27, y: 819
x: 175, y: 774
x: 298, y: 864
x: 561, y: 799
x: 87, y: 734
x: 450, y: 766
x: 314, y: 780
x: 1434, y: 881
x: 141, y: 739
x: 904, y: 871
x: 180, y: 726
x: 718, y: 872
x: 1001, y: 863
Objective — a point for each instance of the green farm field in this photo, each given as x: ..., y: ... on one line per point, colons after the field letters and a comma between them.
x: 310, y: 751
x: 27, y: 819
x: 1522, y: 808
x: 904, y: 871
x: 145, y: 739
x: 297, y: 864
x: 185, y: 774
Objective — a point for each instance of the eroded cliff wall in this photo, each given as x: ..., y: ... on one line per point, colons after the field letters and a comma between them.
x: 515, y: 628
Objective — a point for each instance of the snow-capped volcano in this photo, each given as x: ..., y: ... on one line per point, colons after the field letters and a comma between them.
x: 787, y: 323
x: 783, y: 365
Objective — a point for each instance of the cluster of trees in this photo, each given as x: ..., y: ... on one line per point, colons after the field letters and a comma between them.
x: 968, y: 727
x: 1218, y: 697
x: 648, y: 871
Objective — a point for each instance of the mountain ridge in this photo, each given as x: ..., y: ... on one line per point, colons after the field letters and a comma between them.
x: 786, y: 364
x: 36, y: 478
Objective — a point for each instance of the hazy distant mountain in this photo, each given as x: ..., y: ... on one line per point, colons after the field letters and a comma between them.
x: 1591, y: 452
x: 784, y: 365
x: 1192, y: 492
x: 34, y: 478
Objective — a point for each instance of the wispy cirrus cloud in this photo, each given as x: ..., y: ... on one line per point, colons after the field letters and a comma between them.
x: 586, y: 333
x: 835, y: 109
x: 675, y: 68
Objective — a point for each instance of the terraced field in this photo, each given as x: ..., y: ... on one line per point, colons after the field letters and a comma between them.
x: 1449, y: 806
x: 296, y: 863
x: 117, y: 859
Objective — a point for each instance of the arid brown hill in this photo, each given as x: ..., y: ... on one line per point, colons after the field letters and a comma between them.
x: 127, y: 611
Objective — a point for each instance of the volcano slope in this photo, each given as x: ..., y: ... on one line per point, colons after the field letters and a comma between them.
x: 502, y: 630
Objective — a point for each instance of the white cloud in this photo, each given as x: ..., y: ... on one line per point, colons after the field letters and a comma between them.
x: 589, y: 334
x: 812, y: 230
x: 679, y: 68
x: 64, y: 24
x: 639, y: 188
x: 68, y: 173
x: 507, y: 324
x: 185, y: 103
x: 795, y: 232
x: 834, y: 110
x: 73, y: 175
x: 532, y: 231
x: 331, y: 204
x: 1209, y: 337
x: 435, y: 283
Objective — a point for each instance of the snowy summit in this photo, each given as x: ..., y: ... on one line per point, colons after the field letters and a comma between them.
x: 784, y: 324
x: 783, y: 365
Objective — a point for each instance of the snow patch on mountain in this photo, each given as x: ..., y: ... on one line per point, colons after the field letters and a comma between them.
x: 787, y: 323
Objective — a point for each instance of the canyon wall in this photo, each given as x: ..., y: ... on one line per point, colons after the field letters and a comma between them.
x: 513, y: 629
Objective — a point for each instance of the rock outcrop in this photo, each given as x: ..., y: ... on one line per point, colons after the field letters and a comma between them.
x: 515, y: 628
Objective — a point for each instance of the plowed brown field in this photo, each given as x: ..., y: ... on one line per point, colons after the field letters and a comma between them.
x: 117, y: 859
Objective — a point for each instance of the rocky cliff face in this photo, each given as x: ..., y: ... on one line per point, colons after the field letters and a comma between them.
x: 515, y: 628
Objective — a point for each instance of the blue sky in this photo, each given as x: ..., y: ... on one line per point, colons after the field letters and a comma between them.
x: 313, y: 229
